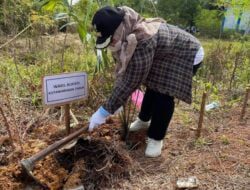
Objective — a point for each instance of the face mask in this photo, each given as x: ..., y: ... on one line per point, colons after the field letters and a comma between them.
x: 116, y: 47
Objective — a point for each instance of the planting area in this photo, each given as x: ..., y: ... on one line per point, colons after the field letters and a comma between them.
x: 101, y: 160
x: 219, y: 158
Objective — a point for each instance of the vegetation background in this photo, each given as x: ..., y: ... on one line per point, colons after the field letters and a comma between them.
x: 46, y: 37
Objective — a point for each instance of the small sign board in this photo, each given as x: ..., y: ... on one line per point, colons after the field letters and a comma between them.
x: 64, y: 88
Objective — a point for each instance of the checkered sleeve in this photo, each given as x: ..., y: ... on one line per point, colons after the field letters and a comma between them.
x: 136, y: 73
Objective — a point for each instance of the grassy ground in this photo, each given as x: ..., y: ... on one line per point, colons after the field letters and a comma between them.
x: 219, y: 159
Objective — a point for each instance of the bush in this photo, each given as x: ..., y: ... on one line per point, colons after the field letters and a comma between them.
x: 14, y: 15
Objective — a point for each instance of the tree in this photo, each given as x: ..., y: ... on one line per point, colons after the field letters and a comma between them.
x: 179, y: 12
x: 144, y: 7
x: 209, y: 22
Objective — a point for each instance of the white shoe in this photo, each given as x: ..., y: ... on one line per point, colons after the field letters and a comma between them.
x: 139, y: 124
x: 153, y: 148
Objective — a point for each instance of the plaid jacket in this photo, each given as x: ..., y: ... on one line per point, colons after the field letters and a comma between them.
x: 163, y: 63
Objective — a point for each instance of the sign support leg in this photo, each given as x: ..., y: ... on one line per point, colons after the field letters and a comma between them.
x: 67, y: 118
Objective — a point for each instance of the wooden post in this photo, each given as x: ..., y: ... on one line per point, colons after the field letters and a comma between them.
x: 202, y: 110
x: 243, y: 111
x: 67, y: 118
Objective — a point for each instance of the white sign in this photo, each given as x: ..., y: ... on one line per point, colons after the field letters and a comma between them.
x: 64, y: 88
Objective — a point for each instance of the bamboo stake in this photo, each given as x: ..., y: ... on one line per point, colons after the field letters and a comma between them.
x: 243, y: 111
x: 202, y: 110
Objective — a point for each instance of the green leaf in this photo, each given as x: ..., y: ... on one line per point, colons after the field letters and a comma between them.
x: 82, y: 31
x: 61, y: 16
x: 50, y: 5
x: 90, y: 4
x: 105, y: 58
x: 67, y: 24
x: 208, y: 86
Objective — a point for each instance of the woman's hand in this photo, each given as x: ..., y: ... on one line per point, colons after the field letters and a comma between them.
x: 98, y: 118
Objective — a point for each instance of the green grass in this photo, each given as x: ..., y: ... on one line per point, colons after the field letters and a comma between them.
x: 24, y: 77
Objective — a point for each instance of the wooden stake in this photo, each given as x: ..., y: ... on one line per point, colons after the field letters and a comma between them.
x: 67, y: 118
x: 202, y: 110
x: 243, y: 111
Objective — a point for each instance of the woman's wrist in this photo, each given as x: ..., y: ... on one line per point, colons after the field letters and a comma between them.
x: 103, y: 112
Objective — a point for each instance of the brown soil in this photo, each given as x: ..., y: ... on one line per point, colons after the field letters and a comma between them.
x: 100, y: 160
